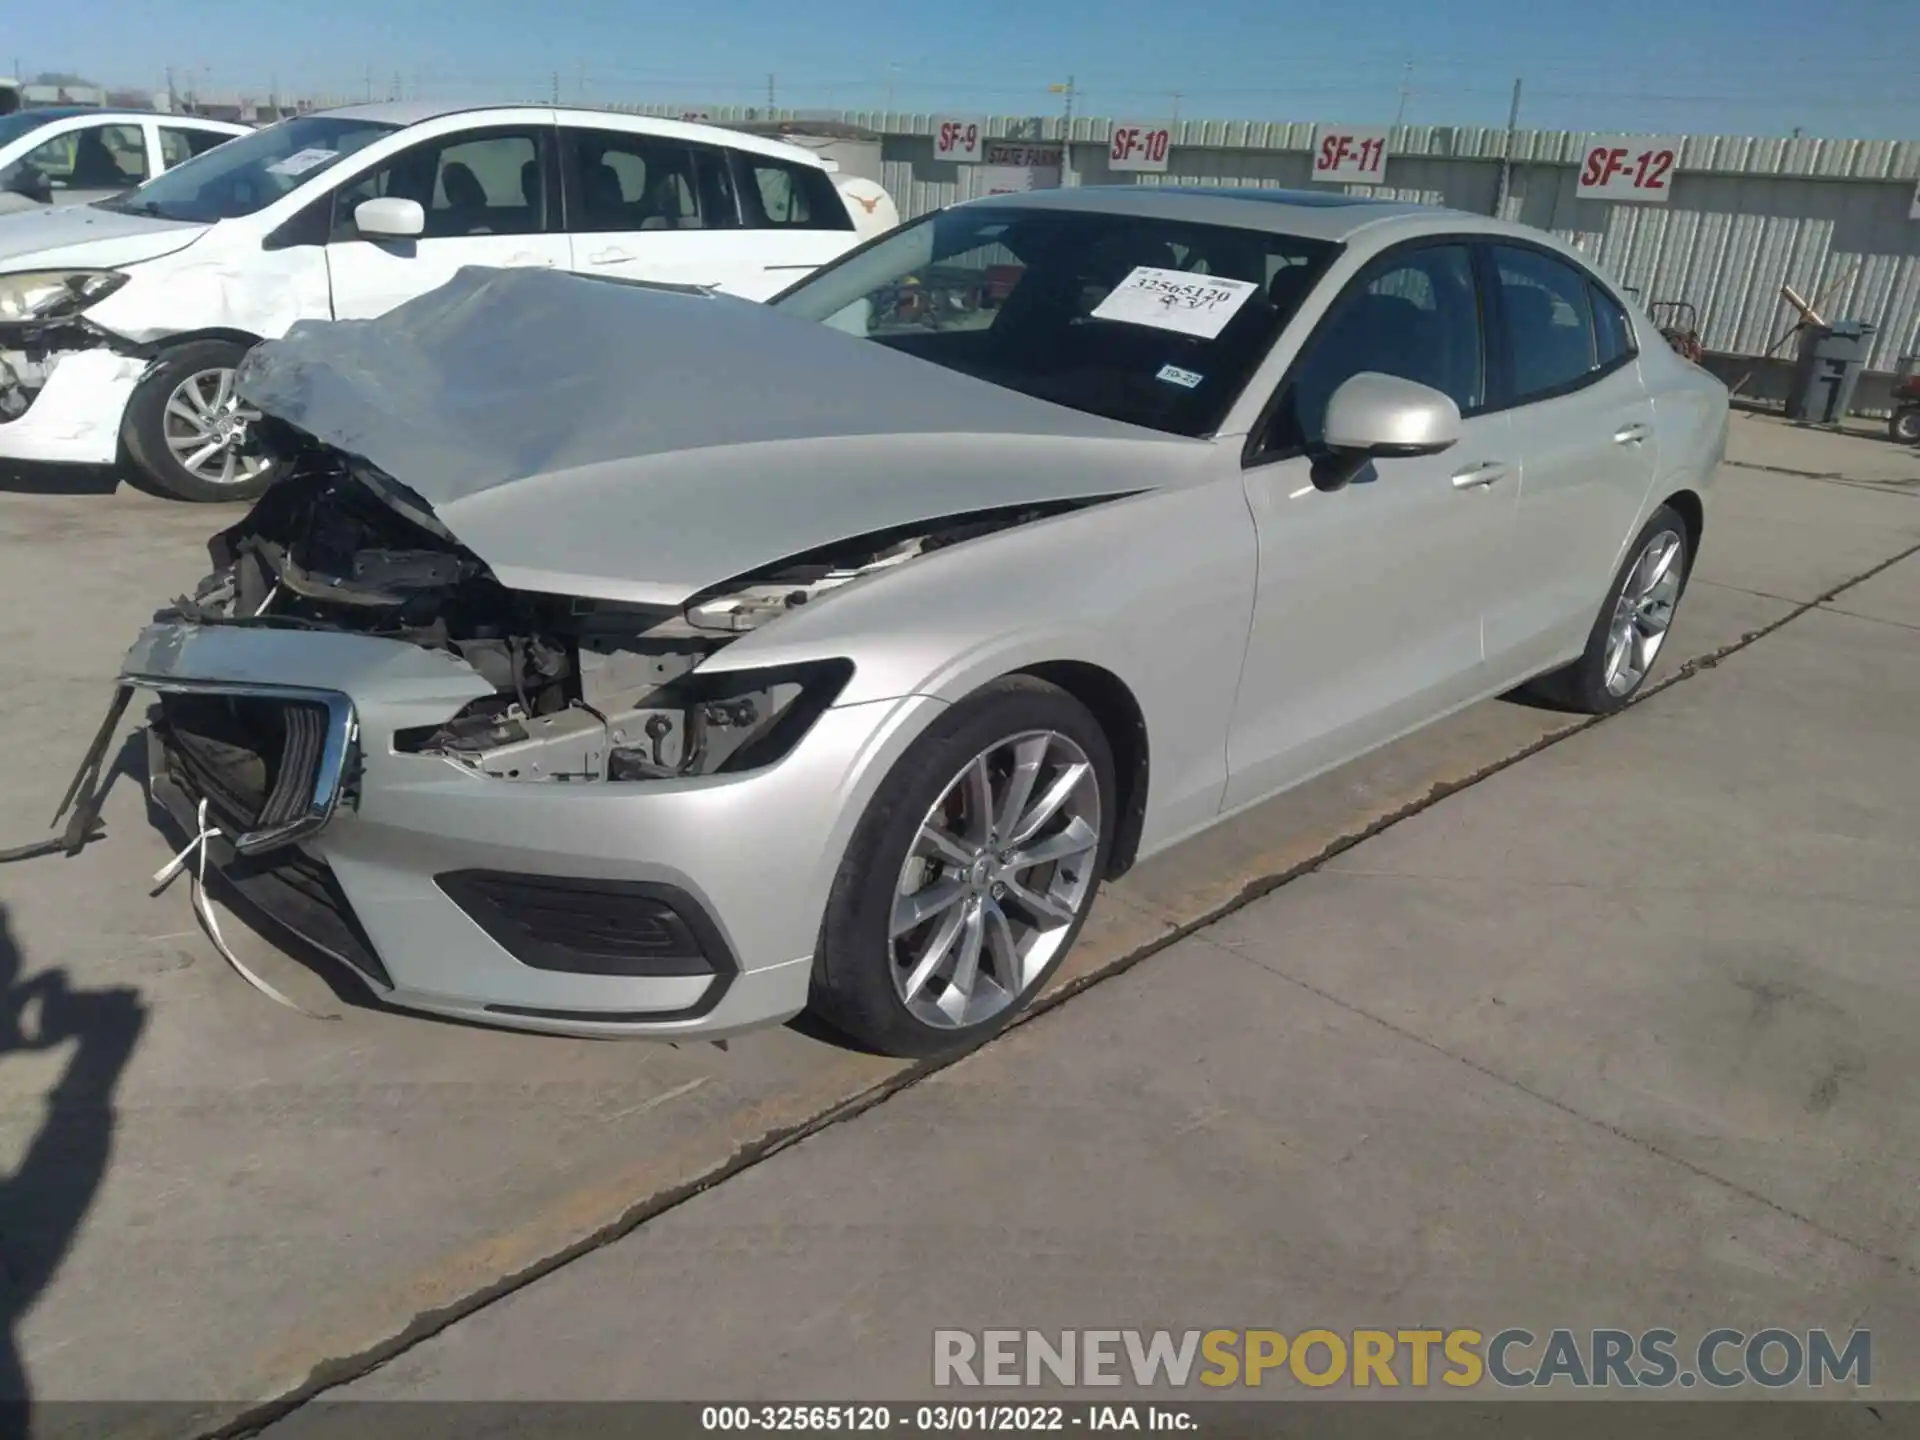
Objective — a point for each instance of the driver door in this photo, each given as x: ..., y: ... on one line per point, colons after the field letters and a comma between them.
x: 1368, y: 610
x: 86, y: 160
x: 489, y: 200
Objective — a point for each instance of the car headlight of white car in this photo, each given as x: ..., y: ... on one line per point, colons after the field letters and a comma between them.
x: 54, y: 294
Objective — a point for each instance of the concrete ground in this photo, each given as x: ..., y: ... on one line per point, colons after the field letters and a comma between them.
x: 1618, y: 1029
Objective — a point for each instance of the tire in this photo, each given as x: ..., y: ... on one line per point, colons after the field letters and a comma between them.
x: 865, y: 973
x: 1905, y: 425
x: 1590, y: 685
x: 192, y: 370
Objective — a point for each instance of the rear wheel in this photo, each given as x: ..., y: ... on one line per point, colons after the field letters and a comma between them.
x: 1905, y: 425
x: 1632, y: 626
x: 184, y: 426
x: 971, y: 873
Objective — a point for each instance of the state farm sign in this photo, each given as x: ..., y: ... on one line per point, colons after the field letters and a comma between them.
x: 1017, y: 152
x: 1139, y: 145
x: 1627, y: 167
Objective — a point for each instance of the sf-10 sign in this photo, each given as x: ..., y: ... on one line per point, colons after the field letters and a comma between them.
x: 1350, y: 156
x: 963, y: 140
x: 1628, y: 167
x: 1139, y: 145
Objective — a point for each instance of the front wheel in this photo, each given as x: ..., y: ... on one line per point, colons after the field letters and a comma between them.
x: 1905, y: 425
x: 1632, y: 626
x: 185, y: 428
x: 970, y: 874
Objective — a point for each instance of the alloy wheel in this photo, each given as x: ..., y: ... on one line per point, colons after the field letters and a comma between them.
x: 1643, y: 612
x: 205, y: 424
x: 998, y: 873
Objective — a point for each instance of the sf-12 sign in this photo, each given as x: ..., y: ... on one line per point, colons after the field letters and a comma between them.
x: 1140, y: 145
x: 1628, y: 167
x: 962, y: 139
x: 1347, y: 155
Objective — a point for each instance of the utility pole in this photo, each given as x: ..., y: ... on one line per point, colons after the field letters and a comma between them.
x: 1176, y: 107
x: 173, y: 95
x: 580, y: 85
x: 553, y: 90
x: 770, y: 94
x: 1506, y: 154
x: 369, y: 90
x: 1406, y: 80
x: 893, y: 74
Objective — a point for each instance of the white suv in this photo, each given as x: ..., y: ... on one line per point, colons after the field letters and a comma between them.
x: 121, y: 322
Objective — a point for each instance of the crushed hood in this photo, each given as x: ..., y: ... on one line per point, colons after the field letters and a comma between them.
x: 84, y: 237
x: 638, y: 443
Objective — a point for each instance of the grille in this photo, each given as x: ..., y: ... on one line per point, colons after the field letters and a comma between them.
x: 256, y: 759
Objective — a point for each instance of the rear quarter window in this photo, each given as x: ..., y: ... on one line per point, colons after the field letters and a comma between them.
x: 780, y: 195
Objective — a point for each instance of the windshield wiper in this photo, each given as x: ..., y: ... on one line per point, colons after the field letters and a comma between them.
x: 144, y: 207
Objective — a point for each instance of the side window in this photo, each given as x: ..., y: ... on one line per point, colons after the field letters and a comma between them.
x: 646, y: 182
x: 1549, y: 322
x: 101, y: 157
x: 490, y: 183
x: 784, y: 196
x: 1612, y: 334
x: 1414, y: 314
x: 177, y: 145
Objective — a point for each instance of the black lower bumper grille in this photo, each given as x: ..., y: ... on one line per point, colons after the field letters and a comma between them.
x: 591, y: 927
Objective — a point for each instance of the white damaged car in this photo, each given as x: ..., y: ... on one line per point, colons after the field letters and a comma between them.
x: 122, y: 322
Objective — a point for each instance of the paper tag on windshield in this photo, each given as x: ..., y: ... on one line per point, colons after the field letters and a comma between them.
x: 1176, y: 300
x: 300, y: 162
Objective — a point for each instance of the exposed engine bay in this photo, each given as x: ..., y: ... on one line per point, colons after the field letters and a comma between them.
x: 584, y: 690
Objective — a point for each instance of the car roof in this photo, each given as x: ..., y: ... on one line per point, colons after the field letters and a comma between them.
x: 50, y: 113
x: 1310, y: 214
x: 417, y: 112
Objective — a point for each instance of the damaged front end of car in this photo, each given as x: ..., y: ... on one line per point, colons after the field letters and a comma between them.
x: 42, y: 326
x: 583, y: 690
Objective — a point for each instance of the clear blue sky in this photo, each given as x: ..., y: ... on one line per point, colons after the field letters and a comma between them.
x: 1836, y: 67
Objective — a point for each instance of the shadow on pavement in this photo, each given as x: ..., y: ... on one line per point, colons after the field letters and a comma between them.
x: 47, y: 1196
x: 30, y: 479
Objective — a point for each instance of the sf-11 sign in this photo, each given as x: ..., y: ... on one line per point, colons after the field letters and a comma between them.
x: 1139, y: 145
x: 1344, y: 154
x: 962, y: 140
x: 1628, y: 167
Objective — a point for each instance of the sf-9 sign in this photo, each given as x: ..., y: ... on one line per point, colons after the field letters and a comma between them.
x: 1628, y: 167
x: 962, y: 139
x: 1139, y: 145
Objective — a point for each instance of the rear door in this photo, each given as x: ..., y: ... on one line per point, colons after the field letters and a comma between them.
x: 1569, y: 381
x: 653, y: 207
x: 490, y: 197
x: 175, y: 143
x: 798, y: 218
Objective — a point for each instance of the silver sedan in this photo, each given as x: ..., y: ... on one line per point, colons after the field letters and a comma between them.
x: 630, y: 659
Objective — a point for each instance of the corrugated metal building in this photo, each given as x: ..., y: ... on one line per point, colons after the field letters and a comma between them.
x: 1745, y: 215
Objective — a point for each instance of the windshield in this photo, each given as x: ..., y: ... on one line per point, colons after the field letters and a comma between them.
x: 1154, y: 322
x: 25, y: 122
x: 250, y: 172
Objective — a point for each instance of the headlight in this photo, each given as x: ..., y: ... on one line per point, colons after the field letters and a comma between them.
x: 52, y: 294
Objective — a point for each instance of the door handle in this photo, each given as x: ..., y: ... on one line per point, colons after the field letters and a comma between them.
x: 609, y: 257
x: 1630, y: 434
x: 1475, y: 477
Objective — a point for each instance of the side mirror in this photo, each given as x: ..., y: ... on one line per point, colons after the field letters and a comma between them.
x: 1379, y: 417
x: 389, y: 218
x: 28, y: 180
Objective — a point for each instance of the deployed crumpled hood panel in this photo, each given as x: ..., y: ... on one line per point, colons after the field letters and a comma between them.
x: 630, y: 442
x: 82, y: 236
